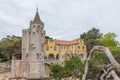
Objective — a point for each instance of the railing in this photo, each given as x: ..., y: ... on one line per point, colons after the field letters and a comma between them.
x: 52, y: 61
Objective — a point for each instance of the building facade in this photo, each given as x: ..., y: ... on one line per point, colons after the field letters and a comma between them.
x: 56, y: 51
x: 37, y: 51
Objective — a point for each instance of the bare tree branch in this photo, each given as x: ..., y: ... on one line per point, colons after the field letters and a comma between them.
x: 108, y: 54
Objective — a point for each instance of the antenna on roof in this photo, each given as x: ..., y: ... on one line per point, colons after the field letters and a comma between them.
x: 37, y: 8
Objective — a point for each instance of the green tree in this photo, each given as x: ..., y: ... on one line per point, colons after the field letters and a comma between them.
x: 48, y: 37
x: 56, y: 70
x: 9, y: 45
x: 109, y: 40
x: 91, y: 38
x: 73, y: 67
x: 116, y: 53
x: 97, y: 62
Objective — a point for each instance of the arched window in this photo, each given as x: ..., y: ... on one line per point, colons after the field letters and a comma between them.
x: 50, y: 57
x: 57, y: 57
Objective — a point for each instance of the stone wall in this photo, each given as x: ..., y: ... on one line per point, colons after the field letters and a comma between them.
x: 28, y: 69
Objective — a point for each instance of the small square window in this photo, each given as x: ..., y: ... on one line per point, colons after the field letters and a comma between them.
x: 83, y: 47
x: 33, y: 26
x: 38, y: 26
x: 33, y: 33
x: 78, y: 47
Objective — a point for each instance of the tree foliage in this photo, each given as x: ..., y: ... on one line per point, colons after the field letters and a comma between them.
x: 116, y: 54
x: 56, y: 70
x: 99, y: 61
x: 91, y: 38
x: 9, y: 45
x: 109, y: 40
x: 73, y: 67
x: 48, y: 37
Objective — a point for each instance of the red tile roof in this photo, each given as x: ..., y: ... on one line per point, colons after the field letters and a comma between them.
x: 64, y: 42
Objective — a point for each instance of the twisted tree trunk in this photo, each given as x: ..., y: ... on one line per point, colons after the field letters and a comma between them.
x: 106, y: 50
x: 113, y: 74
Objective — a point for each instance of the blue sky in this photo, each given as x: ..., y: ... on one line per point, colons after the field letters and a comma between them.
x: 63, y: 19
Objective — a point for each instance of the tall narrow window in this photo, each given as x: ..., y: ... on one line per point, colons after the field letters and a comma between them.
x: 38, y: 55
x: 26, y: 55
x: 78, y: 47
x: 64, y: 46
x: 47, y: 47
x: 42, y: 34
x: 29, y: 33
x: 55, y: 48
x: 61, y: 46
x: 83, y: 47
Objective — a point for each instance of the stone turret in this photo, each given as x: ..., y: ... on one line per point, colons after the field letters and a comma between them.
x: 33, y: 39
x: 32, y: 48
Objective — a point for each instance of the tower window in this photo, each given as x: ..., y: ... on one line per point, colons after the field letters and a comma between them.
x: 33, y: 33
x: 29, y: 33
x: 42, y: 34
x: 26, y: 55
x: 38, y: 55
x: 38, y: 26
x: 33, y: 26
x: 37, y: 30
x: 41, y: 27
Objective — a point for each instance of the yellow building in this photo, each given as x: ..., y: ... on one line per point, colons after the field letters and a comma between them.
x: 56, y: 50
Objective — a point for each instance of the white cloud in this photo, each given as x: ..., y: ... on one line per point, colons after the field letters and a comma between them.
x: 64, y: 19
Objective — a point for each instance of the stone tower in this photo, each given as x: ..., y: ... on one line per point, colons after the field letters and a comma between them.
x: 32, y: 47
